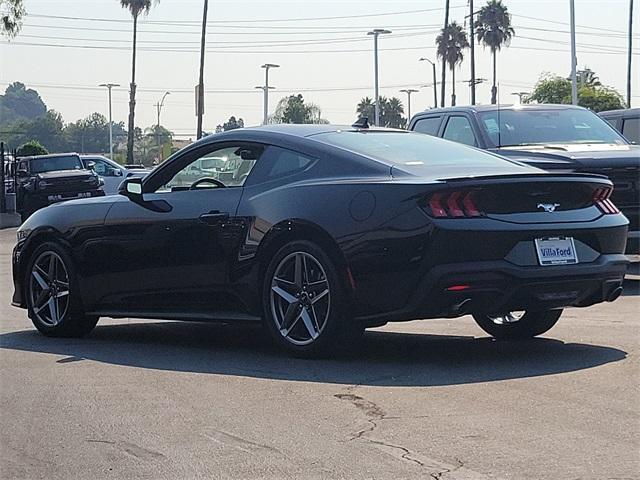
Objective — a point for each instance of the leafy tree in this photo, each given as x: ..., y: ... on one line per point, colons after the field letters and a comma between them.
x: 587, y: 78
x: 136, y: 8
x: 232, y: 124
x: 493, y: 29
x: 293, y: 109
x: 556, y: 89
x: 450, y: 45
x: 11, y: 13
x: 20, y: 103
x: 366, y: 108
x: 47, y: 129
x: 391, y: 111
x: 89, y: 135
x: 31, y: 148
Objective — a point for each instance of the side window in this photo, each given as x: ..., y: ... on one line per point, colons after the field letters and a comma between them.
x: 459, y: 130
x: 223, y: 167
x: 281, y: 162
x: 429, y: 125
x: 101, y: 167
x: 24, y: 165
x: 631, y: 129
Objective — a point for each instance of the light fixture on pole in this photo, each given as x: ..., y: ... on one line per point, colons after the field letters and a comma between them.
x: 520, y: 95
x: 159, y: 106
x: 409, y: 91
x: 376, y: 33
x: 109, y: 86
x: 435, y: 83
x: 265, y: 89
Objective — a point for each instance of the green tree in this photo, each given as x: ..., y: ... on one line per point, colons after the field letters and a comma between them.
x: 493, y: 29
x: 366, y: 108
x: 20, y: 103
x: 450, y: 46
x: 293, y: 109
x: 231, y: 124
x: 89, y: 135
x: 136, y: 8
x: 391, y: 111
x: 47, y: 129
x: 587, y: 78
x: 30, y: 149
x: 556, y: 89
x: 11, y: 13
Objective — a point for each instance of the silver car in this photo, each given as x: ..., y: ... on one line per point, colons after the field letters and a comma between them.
x: 110, y: 171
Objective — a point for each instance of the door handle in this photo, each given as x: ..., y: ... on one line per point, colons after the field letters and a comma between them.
x: 214, y: 217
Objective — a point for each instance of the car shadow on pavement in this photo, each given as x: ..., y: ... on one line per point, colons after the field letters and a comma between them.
x: 382, y: 359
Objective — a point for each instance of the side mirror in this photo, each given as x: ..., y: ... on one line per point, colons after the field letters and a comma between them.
x: 89, y: 165
x: 131, y: 188
x: 116, y: 173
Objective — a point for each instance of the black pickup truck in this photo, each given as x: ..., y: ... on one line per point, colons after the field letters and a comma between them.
x: 47, y: 179
x: 557, y: 138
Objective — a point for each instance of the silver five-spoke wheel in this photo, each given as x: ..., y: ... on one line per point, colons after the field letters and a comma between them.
x: 300, y: 298
x: 49, y: 288
x: 510, y: 317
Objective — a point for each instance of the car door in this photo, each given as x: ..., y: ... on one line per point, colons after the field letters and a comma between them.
x: 172, y: 252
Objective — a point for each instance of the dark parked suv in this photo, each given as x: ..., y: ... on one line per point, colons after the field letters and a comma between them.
x: 626, y: 121
x: 557, y: 138
x: 48, y: 179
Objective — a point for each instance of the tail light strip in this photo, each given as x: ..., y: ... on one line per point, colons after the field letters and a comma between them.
x: 601, y: 199
x: 459, y: 204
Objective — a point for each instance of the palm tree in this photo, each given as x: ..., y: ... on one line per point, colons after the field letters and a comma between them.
x: 393, y: 111
x: 451, y: 42
x: 136, y: 8
x: 365, y: 108
x: 493, y: 28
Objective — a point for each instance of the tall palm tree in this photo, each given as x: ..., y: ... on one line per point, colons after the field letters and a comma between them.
x: 365, y: 108
x: 136, y: 8
x: 493, y: 29
x: 450, y: 45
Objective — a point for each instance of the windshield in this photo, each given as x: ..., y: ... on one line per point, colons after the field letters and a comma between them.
x: 52, y: 164
x: 531, y: 127
x: 409, y: 149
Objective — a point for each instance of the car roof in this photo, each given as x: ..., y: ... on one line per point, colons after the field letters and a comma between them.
x: 493, y: 108
x: 49, y: 155
x: 307, y: 130
x: 631, y: 112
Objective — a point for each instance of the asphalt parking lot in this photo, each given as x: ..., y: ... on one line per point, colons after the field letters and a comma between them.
x: 434, y: 399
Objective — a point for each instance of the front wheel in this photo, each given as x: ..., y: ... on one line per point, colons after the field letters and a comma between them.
x: 305, y: 301
x: 52, y: 294
x: 518, y: 325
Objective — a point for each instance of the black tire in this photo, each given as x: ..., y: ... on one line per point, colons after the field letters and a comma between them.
x: 330, y: 313
x: 69, y: 319
x: 531, y: 324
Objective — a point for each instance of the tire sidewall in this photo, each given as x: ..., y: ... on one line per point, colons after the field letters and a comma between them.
x: 532, y: 324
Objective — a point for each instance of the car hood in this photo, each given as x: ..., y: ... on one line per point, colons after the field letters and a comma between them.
x: 588, y: 157
x: 75, y: 174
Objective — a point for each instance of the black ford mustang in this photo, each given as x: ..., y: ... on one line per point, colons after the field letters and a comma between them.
x: 323, y: 231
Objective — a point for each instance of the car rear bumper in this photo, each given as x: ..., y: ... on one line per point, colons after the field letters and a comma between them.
x: 499, y: 286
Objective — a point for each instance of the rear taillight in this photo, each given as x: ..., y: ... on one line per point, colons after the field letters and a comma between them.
x: 456, y: 204
x: 601, y: 200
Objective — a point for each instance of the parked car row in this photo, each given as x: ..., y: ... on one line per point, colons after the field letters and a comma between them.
x: 321, y: 231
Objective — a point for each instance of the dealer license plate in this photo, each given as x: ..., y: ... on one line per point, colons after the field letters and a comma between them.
x: 556, y: 251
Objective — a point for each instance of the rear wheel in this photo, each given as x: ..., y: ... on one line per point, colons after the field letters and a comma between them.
x: 305, y: 302
x: 518, y: 325
x: 52, y: 294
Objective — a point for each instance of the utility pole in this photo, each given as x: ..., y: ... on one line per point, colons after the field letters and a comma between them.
x: 376, y: 32
x: 473, y: 54
x: 109, y: 87
x: 435, y: 82
x: 159, y: 106
x: 265, y: 89
x: 3, y: 198
x: 444, y: 62
x: 200, y: 100
x: 574, y: 60
x: 629, y: 54
x: 409, y: 91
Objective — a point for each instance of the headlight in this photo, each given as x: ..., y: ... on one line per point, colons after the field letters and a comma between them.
x: 22, y: 234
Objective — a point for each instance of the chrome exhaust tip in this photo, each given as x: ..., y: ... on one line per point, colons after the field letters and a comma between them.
x: 614, y: 294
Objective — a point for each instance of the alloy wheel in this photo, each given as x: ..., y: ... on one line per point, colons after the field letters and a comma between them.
x: 300, y: 298
x: 510, y: 317
x: 49, y: 288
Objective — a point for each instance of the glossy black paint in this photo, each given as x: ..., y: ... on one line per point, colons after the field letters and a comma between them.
x: 135, y: 260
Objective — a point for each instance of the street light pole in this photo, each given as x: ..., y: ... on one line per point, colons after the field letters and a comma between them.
x: 376, y: 33
x: 159, y: 106
x: 200, y: 100
x: 109, y: 86
x: 574, y: 81
x: 435, y: 83
x: 409, y: 91
x: 265, y: 89
x: 629, y: 53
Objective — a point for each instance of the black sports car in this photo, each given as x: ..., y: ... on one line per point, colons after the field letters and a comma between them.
x: 322, y: 231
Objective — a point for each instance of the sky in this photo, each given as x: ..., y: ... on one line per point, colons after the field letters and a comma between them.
x: 67, y: 48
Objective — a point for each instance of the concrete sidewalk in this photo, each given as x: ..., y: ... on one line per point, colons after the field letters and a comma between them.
x: 9, y: 220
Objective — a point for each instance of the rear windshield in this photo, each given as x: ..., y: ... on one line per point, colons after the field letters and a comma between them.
x: 409, y: 149
x: 540, y: 127
x: 52, y: 164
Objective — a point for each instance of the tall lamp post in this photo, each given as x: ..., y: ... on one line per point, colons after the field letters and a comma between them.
x: 409, y: 91
x: 265, y: 89
x: 109, y: 86
x: 435, y: 83
x: 574, y: 59
x: 200, y: 89
x: 376, y: 33
x: 159, y: 106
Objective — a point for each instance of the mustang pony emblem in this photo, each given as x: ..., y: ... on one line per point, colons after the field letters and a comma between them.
x: 548, y: 207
